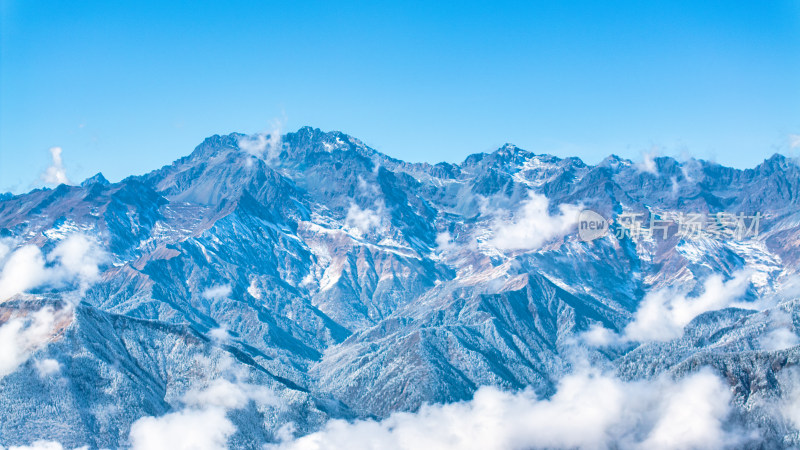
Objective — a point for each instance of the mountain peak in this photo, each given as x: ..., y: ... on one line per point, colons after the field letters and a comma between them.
x: 775, y: 163
x: 97, y: 178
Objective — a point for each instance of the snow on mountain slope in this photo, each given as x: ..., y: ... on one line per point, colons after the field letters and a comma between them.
x: 353, y: 286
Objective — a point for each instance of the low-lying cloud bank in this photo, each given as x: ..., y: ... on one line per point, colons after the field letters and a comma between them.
x: 590, y: 410
x: 41, y: 445
x: 203, y: 421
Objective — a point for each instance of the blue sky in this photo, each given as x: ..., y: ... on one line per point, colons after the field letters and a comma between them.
x: 126, y: 87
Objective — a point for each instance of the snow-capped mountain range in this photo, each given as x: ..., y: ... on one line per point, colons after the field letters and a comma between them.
x: 265, y: 286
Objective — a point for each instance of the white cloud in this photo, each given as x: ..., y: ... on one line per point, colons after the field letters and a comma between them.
x: 446, y: 243
x: 674, y: 186
x: 794, y: 140
x: 78, y: 257
x: 692, y: 415
x: 21, y: 336
x: 47, y: 367
x: 195, y: 429
x: 217, y: 292
x: 40, y: 445
x: 6, y: 247
x: 648, y: 162
x: 203, y: 422
x: 55, y: 174
x: 789, y: 405
x: 533, y: 225
x: 664, y: 313
x: 778, y: 339
x: 363, y: 220
x: 367, y: 189
x: 599, y: 336
x: 229, y: 395
x: 219, y: 334
x: 266, y: 146
x: 254, y: 290
x: 589, y: 410
x: 22, y: 269
x: 286, y: 432
x: 74, y: 260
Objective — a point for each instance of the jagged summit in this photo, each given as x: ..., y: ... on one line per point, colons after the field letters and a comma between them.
x: 97, y: 178
x: 312, y: 146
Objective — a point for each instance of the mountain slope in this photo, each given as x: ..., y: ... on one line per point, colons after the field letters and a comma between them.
x: 355, y: 285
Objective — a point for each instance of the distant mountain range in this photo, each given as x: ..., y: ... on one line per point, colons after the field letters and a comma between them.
x: 269, y: 284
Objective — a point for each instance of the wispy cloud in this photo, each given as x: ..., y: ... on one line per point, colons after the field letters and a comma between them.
x: 445, y: 242
x: 781, y: 335
x: 55, y: 174
x: 779, y: 339
x: 365, y: 220
x: 648, y: 162
x: 794, y: 140
x: 266, y: 146
x: 788, y: 407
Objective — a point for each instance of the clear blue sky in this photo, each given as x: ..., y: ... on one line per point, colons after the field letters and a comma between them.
x: 126, y: 87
